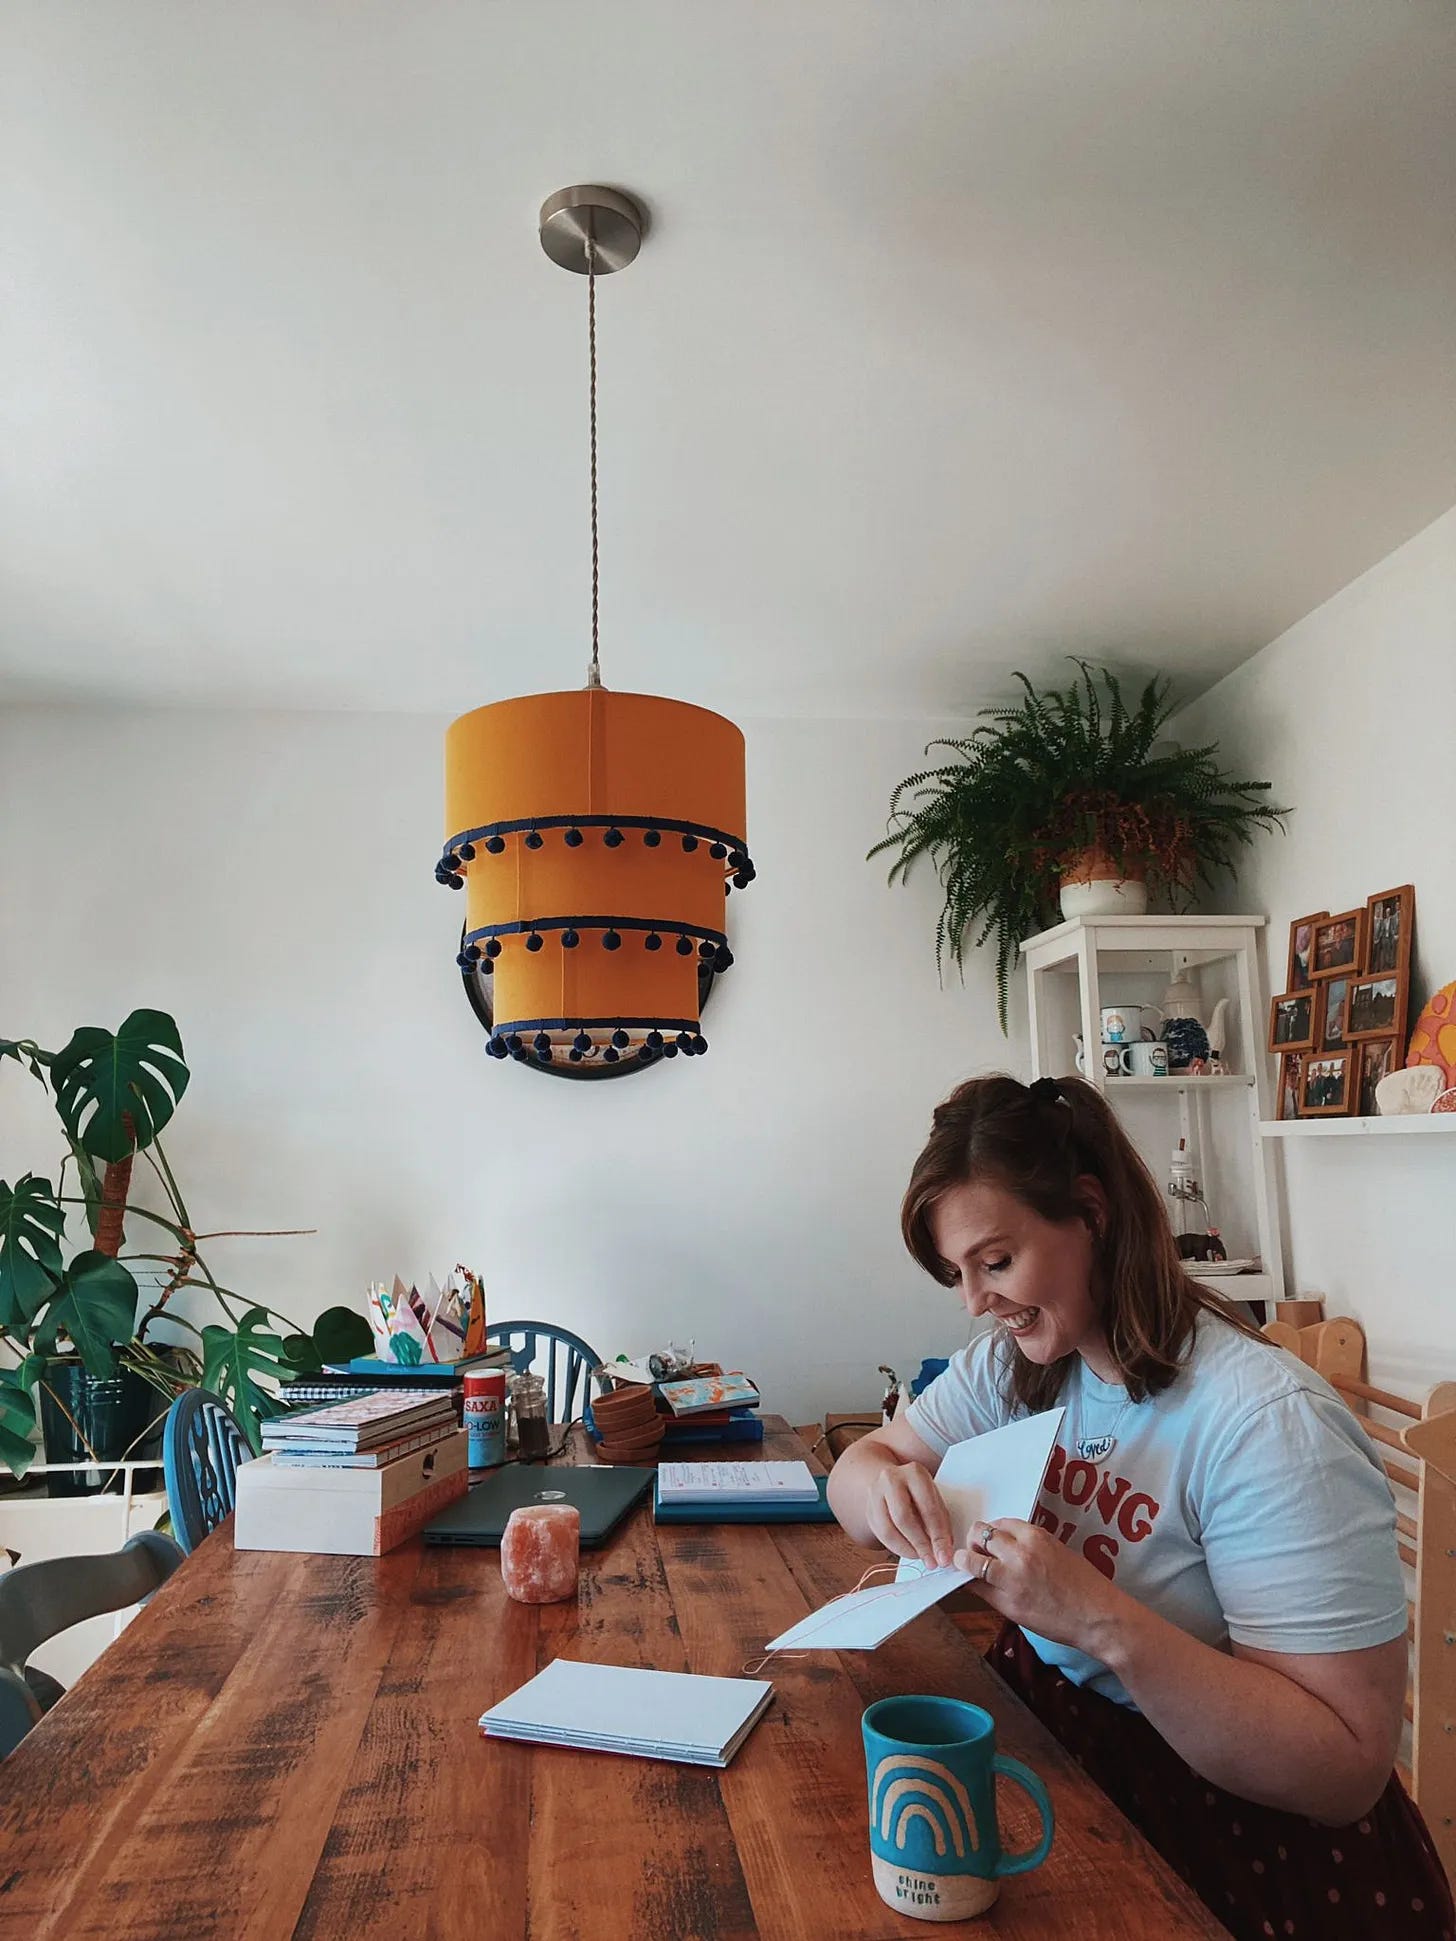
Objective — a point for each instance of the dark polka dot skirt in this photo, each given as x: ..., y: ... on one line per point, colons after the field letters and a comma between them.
x: 1265, y: 1874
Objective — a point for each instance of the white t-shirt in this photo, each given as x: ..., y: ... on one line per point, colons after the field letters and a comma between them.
x: 1243, y: 1503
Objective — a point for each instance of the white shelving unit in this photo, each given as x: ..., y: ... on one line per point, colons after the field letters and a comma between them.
x: 1421, y: 1125
x: 1073, y: 970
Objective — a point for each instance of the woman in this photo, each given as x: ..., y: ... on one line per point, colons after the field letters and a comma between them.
x: 1207, y: 1607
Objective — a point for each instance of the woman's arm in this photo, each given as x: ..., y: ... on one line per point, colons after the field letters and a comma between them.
x: 882, y: 1490
x: 1315, y: 1734
x: 1312, y: 1734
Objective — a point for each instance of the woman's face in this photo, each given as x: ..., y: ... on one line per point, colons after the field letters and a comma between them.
x: 1032, y: 1276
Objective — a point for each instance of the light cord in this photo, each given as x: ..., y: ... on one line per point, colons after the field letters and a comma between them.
x: 594, y: 672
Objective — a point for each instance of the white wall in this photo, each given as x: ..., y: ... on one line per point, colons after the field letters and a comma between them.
x: 1351, y: 714
x: 267, y: 879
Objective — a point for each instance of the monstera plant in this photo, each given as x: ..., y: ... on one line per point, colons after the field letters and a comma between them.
x: 114, y: 1093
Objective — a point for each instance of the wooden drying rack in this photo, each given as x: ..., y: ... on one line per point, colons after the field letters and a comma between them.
x: 1420, y: 1460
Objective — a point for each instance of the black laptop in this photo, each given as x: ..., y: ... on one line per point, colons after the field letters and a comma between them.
x: 602, y: 1495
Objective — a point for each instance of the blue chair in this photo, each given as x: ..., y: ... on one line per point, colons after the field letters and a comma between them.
x: 202, y: 1445
x: 568, y: 1363
x: 39, y: 1601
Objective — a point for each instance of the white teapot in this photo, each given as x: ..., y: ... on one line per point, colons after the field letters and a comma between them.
x: 1184, y: 1033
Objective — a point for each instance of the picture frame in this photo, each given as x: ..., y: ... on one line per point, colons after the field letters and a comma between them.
x: 1297, y: 977
x: 1378, y: 1056
x: 1292, y: 1022
x: 1326, y: 1084
x: 1376, y: 1007
x: 1291, y: 1075
x: 1332, y: 1014
x: 1337, y: 945
x: 1390, y: 931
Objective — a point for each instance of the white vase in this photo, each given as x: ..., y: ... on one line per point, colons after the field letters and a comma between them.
x: 1103, y: 896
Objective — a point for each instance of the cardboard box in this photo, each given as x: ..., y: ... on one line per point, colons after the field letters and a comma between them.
x: 347, y: 1512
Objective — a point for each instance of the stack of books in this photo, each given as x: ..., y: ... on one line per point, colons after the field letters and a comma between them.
x: 339, y: 1381
x: 711, y: 1408
x: 353, y: 1479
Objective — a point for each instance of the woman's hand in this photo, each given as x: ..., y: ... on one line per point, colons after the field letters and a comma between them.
x: 1026, y: 1575
x: 907, y: 1513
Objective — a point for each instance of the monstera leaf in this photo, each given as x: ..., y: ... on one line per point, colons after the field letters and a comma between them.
x: 95, y: 1303
x: 116, y: 1091
x: 30, y: 1250
x: 339, y: 1334
x: 17, y: 1415
x: 234, y: 1363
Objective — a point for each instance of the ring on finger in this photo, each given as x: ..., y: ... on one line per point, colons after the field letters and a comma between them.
x: 985, y: 1571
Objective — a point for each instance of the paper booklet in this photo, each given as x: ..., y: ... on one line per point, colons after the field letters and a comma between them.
x: 736, y: 1482
x: 694, y: 1720
x: 989, y: 1476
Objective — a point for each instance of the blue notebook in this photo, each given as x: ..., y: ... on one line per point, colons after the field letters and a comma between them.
x: 819, y: 1512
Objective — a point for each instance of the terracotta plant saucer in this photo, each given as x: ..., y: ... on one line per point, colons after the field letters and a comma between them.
x: 647, y: 1458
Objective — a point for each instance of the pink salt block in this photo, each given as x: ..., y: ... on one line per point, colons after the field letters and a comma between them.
x: 540, y: 1547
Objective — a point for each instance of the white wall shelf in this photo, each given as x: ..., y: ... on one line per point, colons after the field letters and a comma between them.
x: 1421, y: 1124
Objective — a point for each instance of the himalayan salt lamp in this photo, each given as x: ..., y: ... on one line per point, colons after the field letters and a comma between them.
x: 539, y: 1551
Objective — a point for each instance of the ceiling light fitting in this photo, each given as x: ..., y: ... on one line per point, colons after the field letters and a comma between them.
x: 596, y: 835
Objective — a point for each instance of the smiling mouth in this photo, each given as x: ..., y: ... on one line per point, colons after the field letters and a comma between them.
x: 1021, y: 1322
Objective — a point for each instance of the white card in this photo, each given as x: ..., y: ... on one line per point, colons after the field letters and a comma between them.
x: 993, y: 1476
x: 989, y: 1476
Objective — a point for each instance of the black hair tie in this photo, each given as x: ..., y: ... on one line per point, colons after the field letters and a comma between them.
x: 1045, y: 1091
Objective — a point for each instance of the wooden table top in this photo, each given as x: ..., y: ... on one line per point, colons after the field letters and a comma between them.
x: 288, y: 1746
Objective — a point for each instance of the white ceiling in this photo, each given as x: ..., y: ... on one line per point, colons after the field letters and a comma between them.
x: 967, y: 335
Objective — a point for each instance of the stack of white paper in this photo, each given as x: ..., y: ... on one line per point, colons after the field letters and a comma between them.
x: 649, y: 1714
x: 736, y: 1482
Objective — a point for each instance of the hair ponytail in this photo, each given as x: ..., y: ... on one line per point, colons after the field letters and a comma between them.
x: 1038, y: 1143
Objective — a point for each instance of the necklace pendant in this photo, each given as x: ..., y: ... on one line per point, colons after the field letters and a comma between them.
x: 1095, y: 1448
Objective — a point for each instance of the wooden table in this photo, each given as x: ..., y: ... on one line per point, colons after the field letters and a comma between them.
x: 287, y: 1746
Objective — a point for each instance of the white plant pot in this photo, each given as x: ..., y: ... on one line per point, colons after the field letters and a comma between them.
x: 1103, y: 896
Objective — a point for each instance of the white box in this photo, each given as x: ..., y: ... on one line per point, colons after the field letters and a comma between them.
x: 347, y: 1512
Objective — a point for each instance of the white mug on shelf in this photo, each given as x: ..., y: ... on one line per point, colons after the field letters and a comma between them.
x: 1143, y: 1060
x: 1122, y: 1024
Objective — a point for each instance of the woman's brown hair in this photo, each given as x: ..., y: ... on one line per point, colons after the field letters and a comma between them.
x: 1038, y: 1142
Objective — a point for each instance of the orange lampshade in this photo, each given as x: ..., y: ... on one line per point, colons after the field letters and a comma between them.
x: 596, y: 836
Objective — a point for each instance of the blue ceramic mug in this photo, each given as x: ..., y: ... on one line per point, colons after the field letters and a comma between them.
x: 934, y: 1842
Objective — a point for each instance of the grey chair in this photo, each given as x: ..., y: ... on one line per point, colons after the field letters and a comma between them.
x: 39, y: 1601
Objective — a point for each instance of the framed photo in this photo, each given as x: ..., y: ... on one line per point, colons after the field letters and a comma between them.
x: 1327, y: 1083
x: 1291, y: 1075
x: 1291, y: 1022
x: 1332, y: 1021
x: 1338, y: 944
x: 1375, y: 1008
x: 1301, y: 948
x: 1377, y: 1057
x: 1389, y: 924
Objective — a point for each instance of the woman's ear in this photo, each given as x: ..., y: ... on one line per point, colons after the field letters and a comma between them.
x: 1092, y: 1202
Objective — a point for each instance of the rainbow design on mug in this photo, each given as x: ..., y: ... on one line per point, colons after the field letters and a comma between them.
x: 932, y: 1793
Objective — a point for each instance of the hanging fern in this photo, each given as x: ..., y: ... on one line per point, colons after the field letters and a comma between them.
x: 1040, y: 783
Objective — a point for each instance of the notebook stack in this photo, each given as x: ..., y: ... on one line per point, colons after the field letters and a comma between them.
x: 698, y: 1721
x: 708, y: 1406
x: 339, y: 1381
x: 353, y: 1479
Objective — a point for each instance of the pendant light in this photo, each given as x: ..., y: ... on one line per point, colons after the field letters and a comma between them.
x: 596, y: 834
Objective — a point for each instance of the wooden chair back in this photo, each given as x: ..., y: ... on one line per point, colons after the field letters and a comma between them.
x: 1420, y: 1460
